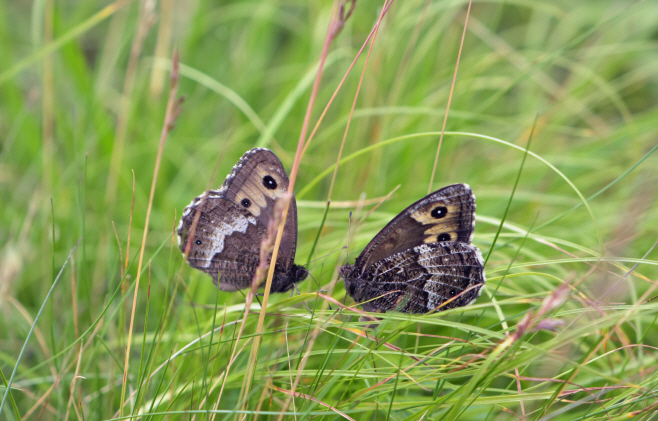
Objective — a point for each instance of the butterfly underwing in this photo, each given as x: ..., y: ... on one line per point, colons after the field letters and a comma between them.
x: 422, y: 261
x: 232, y: 221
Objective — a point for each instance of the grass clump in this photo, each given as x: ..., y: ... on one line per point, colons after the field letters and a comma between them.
x: 566, y: 326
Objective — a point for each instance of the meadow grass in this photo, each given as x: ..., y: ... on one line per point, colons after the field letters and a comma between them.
x: 552, y: 121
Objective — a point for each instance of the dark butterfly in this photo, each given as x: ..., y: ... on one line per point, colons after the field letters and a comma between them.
x: 233, y: 221
x: 422, y: 261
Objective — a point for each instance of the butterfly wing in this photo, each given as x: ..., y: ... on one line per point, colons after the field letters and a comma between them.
x: 447, y: 214
x: 256, y: 182
x: 226, y: 240
x: 421, y: 279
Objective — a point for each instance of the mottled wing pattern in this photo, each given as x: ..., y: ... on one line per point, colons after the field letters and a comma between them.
x: 226, y: 242
x: 233, y: 220
x: 422, y: 261
x: 422, y: 279
x: 447, y: 214
x: 256, y: 182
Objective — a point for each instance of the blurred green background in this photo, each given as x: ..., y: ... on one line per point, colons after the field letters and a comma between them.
x: 83, y: 92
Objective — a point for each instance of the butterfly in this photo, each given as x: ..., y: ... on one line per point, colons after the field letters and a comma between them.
x: 422, y: 261
x: 233, y: 220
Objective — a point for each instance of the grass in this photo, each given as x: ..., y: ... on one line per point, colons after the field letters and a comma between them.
x: 565, y: 328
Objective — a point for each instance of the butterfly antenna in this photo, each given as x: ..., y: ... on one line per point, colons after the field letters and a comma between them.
x: 314, y: 280
x: 296, y: 289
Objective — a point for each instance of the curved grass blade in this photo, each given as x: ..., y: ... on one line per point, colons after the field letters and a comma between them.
x: 36, y: 320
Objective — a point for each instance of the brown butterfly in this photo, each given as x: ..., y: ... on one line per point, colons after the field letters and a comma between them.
x: 233, y: 220
x: 422, y: 261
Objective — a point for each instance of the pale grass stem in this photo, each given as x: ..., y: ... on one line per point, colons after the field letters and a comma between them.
x: 173, y: 109
x: 329, y: 37
x: 144, y: 22
x: 165, y: 20
x: 452, y: 88
x: 331, y: 33
x: 130, y: 224
x: 270, y: 244
x: 338, y: 20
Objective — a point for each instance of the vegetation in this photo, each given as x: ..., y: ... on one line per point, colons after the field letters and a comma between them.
x: 565, y: 328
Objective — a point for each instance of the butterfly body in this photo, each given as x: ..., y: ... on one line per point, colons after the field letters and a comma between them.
x: 222, y: 230
x: 422, y: 261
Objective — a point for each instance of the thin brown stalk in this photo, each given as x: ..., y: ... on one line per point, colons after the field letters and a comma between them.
x: 305, y: 396
x: 172, y: 358
x: 275, y: 226
x: 76, y: 375
x: 294, y: 409
x: 401, y: 78
x: 382, y: 200
x: 234, y: 356
x: 217, y: 360
x: 562, y: 97
x: 509, y: 411
x: 42, y: 402
x: 579, y: 387
x: 144, y: 22
x: 640, y: 411
x: 58, y: 379
x: 162, y: 47
x: 116, y: 235
x: 349, y: 119
x: 300, y: 151
x: 608, y: 335
x: 387, y: 4
x: 335, y: 26
x: 393, y: 376
x: 581, y: 295
x: 520, y: 390
x: 173, y: 108
x: 370, y: 316
x: 452, y: 87
x: 130, y: 225
x: 263, y: 395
